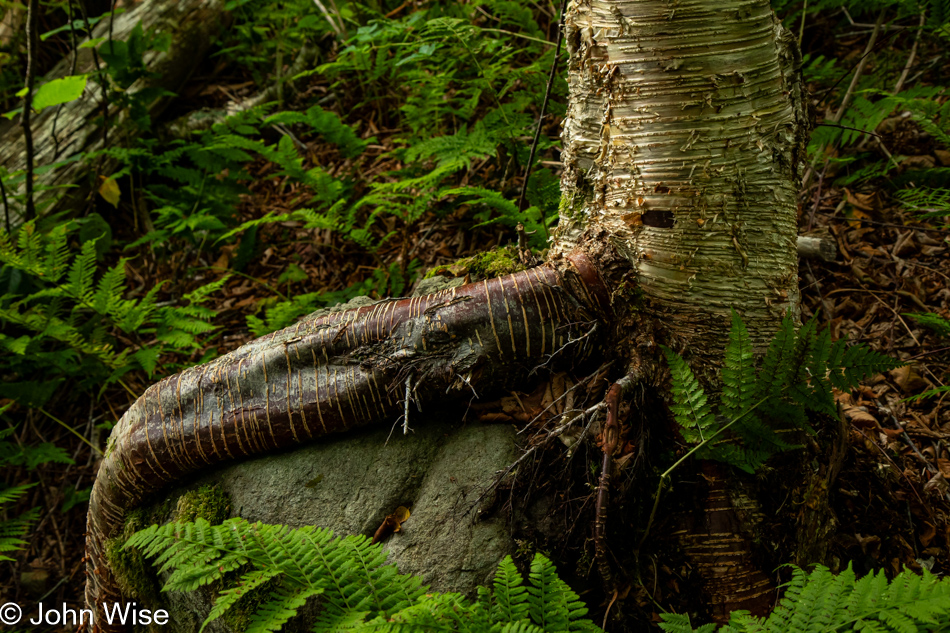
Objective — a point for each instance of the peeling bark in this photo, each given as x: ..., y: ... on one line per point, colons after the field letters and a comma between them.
x: 682, y: 141
x: 335, y: 373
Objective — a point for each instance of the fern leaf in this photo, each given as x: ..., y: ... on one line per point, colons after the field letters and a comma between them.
x: 858, y: 363
x: 935, y: 322
x: 228, y: 597
x: 511, y: 596
x: 79, y: 279
x: 548, y: 596
x: 771, y: 378
x: 108, y: 294
x: 359, y: 591
x: 691, y: 407
x: 738, y: 372
x: 282, y: 605
x: 680, y: 623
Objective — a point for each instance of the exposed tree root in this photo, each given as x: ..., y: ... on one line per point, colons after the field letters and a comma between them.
x: 335, y: 373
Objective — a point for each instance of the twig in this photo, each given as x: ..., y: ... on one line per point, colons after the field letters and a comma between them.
x: 31, y: 18
x: 405, y: 417
x: 801, y: 29
x: 544, y: 106
x: 340, y: 32
x: 913, y: 54
x: 72, y: 71
x: 904, y: 436
x: 71, y: 430
x: 899, y: 317
x: 848, y: 127
x: 6, y: 206
x: 611, y: 436
x: 664, y: 478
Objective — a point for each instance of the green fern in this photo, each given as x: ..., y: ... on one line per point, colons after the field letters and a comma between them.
x: 60, y: 315
x: 820, y: 602
x: 933, y: 321
x: 691, y: 407
x: 358, y: 591
x: 796, y: 375
x: 927, y: 201
x: 12, y: 531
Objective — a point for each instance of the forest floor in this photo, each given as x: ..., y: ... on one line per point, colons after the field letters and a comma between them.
x: 892, y: 499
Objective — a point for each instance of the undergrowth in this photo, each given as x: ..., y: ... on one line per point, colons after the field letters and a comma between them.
x: 355, y: 587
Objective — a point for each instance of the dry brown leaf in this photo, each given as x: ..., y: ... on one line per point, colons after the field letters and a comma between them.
x: 908, y: 379
x: 938, y: 483
x: 391, y: 524
x: 918, y: 162
x: 867, y: 202
x: 860, y: 417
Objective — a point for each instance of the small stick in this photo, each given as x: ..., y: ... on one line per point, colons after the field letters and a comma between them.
x: 544, y: 106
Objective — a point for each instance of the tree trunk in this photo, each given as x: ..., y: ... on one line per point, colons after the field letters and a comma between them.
x: 61, y: 135
x: 682, y: 142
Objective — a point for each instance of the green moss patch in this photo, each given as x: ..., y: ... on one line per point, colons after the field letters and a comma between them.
x: 208, y: 502
x: 497, y: 262
x: 133, y: 573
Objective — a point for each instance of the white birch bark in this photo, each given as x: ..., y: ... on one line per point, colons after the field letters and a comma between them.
x: 682, y: 143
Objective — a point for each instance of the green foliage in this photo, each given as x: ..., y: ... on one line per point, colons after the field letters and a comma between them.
x: 57, y: 91
x: 12, y: 454
x: 59, y: 315
x: 927, y: 201
x: 357, y: 589
x: 935, y: 322
x: 796, y: 375
x: 820, y: 601
x: 12, y: 531
x: 125, y: 66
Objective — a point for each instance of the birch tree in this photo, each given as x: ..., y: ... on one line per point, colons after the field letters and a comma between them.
x: 681, y: 147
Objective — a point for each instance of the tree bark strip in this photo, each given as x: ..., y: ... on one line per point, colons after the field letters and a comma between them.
x: 331, y: 374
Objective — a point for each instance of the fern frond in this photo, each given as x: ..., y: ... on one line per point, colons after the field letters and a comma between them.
x: 511, y: 597
x: 738, y: 371
x: 12, y: 530
x: 360, y: 592
x: 680, y: 623
x: 858, y: 363
x: 935, y: 322
x: 548, y: 596
x: 771, y: 380
x: 228, y: 597
x: 108, y: 295
x: 691, y: 407
x: 282, y: 605
x: 79, y: 279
